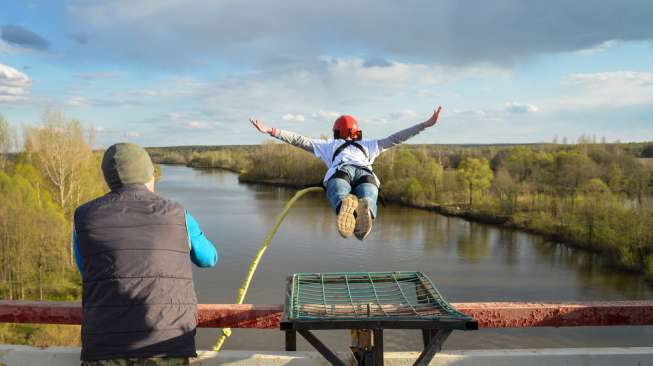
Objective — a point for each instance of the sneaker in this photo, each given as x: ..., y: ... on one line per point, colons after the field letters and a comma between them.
x: 364, y: 220
x: 346, y: 221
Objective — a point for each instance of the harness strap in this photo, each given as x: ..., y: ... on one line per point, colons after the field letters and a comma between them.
x: 346, y: 145
x: 364, y: 179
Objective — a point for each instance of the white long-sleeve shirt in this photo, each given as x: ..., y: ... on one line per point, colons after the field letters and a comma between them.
x: 351, y: 155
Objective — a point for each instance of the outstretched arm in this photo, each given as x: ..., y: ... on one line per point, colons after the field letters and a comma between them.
x: 403, y: 135
x: 292, y: 138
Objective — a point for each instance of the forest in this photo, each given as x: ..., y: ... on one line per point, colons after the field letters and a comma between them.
x: 42, y: 181
x: 589, y: 194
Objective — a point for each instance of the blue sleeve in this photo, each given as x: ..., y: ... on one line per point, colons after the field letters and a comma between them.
x: 202, y: 251
x: 78, y: 257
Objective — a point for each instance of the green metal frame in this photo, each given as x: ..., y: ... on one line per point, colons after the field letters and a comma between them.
x: 339, y: 290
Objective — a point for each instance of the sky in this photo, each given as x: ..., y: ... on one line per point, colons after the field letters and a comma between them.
x: 171, y: 72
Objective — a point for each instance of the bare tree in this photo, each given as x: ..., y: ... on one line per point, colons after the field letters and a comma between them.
x: 6, y: 141
x: 62, y: 152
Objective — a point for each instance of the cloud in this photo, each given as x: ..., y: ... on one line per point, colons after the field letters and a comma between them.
x: 600, y: 47
x: 515, y: 107
x: 610, y: 89
x: 377, y: 62
x: 183, y: 120
x: 404, y: 115
x: 7, y: 48
x: 199, y: 125
x: 112, y: 74
x: 293, y: 117
x: 78, y: 102
x: 14, y: 85
x: 350, y: 71
x: 328, y: 115
x: 102, y: 102
x: 448, y: 31
x: 612, y: 78
x: 80, y: 38
x: 132, y: 134
x: 23, y: 37
x: 328, y: 86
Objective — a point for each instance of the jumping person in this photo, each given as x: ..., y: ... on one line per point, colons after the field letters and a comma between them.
x: 349, y: 158
x: 134, y: 249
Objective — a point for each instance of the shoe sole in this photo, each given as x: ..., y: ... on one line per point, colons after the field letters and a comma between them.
x: 346, y: 221
x: 363, y: 220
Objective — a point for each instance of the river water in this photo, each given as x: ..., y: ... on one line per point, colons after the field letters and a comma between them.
x: 468, y: 262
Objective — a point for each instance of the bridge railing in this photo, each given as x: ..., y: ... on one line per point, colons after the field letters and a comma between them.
x: 488, y: 314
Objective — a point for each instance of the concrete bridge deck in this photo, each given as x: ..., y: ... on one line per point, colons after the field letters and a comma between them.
x: 641, y: 356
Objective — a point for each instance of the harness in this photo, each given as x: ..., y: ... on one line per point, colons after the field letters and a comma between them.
x: 364, y: 179
x: 342, y: 175
x: 348, y: 143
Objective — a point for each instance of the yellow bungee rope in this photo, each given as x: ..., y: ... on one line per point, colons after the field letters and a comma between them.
x: 242, y: 292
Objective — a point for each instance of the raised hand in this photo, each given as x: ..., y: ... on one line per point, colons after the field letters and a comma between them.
x: 260, y: 126
x: 434, y: 118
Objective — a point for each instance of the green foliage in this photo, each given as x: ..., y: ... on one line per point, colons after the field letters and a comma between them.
x: 590, y: 194
x: 282, y: 164
x: 6, y: 141
x: 41, y: 335
x: 476, y: 175
x: 647, y: 152
x: 39, y: 189
x: 34, y: 239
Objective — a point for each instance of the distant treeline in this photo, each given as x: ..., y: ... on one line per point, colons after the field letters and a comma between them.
x: 591, y: 194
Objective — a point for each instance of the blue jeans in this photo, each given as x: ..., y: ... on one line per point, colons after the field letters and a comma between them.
x: 338, y: 188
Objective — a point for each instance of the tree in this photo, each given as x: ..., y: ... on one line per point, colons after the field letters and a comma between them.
x: 63, y: 153
x: 413, y: 190
x: 615, y: 178
x: 519, y: 163
x: 638, y: 180
x: 571, y: 168
x: 507, y: 189
x: 596, y: 193
x: 476, y: 175
x: 33, y: 235
x: 434, y: 173
x: 648, y: 151
x: 6, y: 141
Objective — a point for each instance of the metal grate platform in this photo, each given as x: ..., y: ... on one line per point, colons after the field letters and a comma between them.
x: 364, y: 301
x: 367, y: 296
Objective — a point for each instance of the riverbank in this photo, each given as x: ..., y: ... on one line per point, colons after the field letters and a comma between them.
x: 478, y: 216
x: 596, y: 196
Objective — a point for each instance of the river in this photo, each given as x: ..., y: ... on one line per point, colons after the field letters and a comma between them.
x: 468, y: 262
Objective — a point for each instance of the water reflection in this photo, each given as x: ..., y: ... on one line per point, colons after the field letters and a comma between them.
x: 467, y: 261
x: 473, y: 242
x: 508, y: 247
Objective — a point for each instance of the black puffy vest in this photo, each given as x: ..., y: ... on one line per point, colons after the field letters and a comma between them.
x: 138, y: 298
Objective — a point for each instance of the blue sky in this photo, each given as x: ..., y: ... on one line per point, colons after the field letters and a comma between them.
x: 170, y: 72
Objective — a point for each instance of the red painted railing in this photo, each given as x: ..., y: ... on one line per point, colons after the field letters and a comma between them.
x: 488, y: 315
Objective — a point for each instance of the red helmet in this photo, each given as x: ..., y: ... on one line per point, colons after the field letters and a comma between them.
x: 346, y: 127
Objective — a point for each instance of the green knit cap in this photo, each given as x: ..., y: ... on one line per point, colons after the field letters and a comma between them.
x: 126, y: 163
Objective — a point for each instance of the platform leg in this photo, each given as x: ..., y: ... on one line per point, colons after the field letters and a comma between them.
x: 434, y: 346
x: 378, y: 347
x: 426, y: 336
x: 291, y: 340
x: 361, y: 344
x: 320, y: 347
